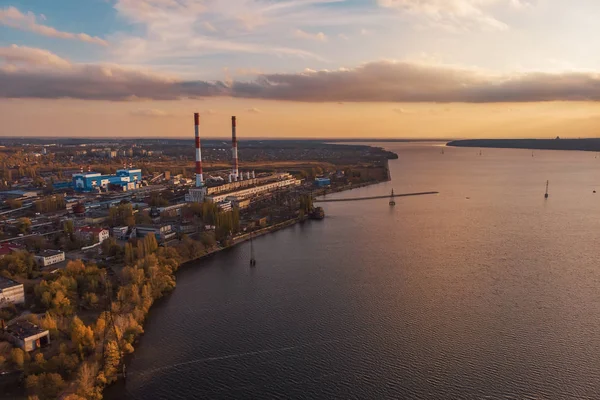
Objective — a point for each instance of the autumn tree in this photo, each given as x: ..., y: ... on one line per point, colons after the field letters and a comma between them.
x: 17, y: 356
x: 82, y: 336
x: 24, y: 225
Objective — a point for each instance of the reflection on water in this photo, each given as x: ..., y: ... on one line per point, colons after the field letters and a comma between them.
x: 494, y: 296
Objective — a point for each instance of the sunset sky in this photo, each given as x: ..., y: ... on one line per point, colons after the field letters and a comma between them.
x: 300, y: 68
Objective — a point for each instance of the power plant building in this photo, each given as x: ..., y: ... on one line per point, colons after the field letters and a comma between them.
x: 241, y: 187
x: 127, y: 179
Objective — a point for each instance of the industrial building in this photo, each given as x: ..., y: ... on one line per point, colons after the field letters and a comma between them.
x: 242, y: 186
x: 284, y: 181
x: 322, y: 182
x: 11, y: 292
x: 161, y: 232
x: 49, y: 257
x: 26, y: 335
x: 126, y: 179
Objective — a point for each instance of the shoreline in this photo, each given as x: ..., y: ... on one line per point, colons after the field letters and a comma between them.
x: 236, y: 241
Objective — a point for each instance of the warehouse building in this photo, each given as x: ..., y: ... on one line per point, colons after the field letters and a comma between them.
x: 126, y: 179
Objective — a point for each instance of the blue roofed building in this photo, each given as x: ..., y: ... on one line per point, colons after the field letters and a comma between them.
x: 126, y: 179
x: 322, y: 182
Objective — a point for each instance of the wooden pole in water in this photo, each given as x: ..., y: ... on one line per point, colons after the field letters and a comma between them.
x: 252, y: 259
x: 546, y: 195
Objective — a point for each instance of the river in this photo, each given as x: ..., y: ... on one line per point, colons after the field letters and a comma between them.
x: 486, y: 290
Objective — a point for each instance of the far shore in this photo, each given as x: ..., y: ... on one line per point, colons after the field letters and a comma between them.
x: 590, y: 144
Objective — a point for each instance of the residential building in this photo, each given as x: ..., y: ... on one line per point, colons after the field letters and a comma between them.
x: 49, y: 257
x: 11, y: 292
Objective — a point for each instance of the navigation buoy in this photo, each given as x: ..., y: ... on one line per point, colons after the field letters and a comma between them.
x: 546, y: 195
x: 392, y: 201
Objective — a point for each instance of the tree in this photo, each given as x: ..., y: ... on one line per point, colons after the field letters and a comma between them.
x: 68, y: 227
x: 112, y: 359
x: 17, y: 356
x: 45, y: 385
x: 20, y: 263
x: 24, y: 225
x: 208, y: 240
x: 14, y: 204
x: 82, y: 336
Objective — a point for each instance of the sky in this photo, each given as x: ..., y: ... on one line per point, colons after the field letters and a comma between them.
x: 300, y: 68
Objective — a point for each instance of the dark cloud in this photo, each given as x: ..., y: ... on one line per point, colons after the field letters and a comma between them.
x: 35, y: 73
x: 408, y: 82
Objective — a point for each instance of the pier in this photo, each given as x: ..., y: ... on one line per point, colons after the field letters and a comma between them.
x: 386, y: 196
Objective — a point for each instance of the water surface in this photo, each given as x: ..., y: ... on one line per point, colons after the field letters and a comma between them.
x: 483, y: 291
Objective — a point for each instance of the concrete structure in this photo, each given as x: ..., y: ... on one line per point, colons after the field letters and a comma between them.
x: 26, y: 335
x: 162, y: 232
x: 196, y: 195
x: 89, y: 233
x: 199, y: 176
x: 127, y: 179
x: 11, y: 292
x: 235, y: 173
x: 49, y: 257
x: 241, y: 203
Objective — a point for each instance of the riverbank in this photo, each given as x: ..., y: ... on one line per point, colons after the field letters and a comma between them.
x: 244, y: 238
x: 591, y: 144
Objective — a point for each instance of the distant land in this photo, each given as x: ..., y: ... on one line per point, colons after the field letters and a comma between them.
x: 592, y: 144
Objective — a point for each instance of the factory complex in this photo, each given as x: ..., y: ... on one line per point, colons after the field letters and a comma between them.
x: 242, y: 187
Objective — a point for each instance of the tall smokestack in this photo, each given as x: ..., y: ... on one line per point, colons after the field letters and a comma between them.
x: 199, y: 177
x: 234, y: 149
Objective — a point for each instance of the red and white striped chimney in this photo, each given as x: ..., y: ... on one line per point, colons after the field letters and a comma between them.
x: 234, y: 149
x: 199, y: 177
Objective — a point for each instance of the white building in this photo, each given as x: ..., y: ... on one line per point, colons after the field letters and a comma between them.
x: 161, y: 232
x: 254, y: 191
x: 11, y: 292
x: 49, y: 257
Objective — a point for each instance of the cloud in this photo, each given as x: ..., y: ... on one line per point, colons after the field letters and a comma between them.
x: 320, y: 36
x: 149, y: 112
x: 12, y: 17
x: 254, y: 110
x: 186, y: 29
x: 35, y: 73
x: 32, y: 56
x: 389, y: 81
x: 456, y: 14
x: 209, y: 27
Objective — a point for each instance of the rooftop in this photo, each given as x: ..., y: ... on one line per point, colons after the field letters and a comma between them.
x: 7, y: 283
x: 23, y: 329
x: 49, y: 253
x: 89, y: 229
